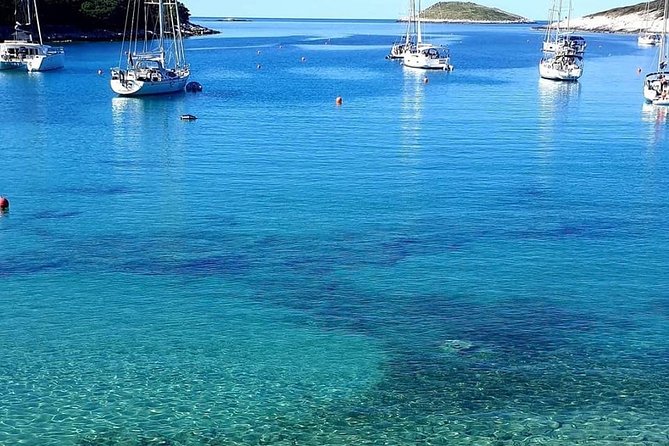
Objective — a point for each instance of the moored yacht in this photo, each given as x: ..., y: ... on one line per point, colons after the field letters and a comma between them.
x: 567, y: 41
x: 562, y: 51
x: 426, y: 56
x: 646, y: 37
x: 22, y: 51
x: 656, y: 84
x: 649, y: 39
x: 161, y: 67
x: 407, y: 42
x: 561, y: 67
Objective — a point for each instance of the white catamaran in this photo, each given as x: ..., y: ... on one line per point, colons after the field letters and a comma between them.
x: 152, y: 65
x: 656, y: 84
x: 23, y: 51
x: 562, y: 51
x: 425, y: 56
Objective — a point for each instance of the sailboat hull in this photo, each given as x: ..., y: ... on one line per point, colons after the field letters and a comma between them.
x: 656, y: 88
x: 160, y: 67
x: 553, y: 71
x: 428, y: 57
x: 399, y: 50
x: 649, y: 40
x: 31, y: 56
x: 133, y: 87
x: 46, y: 62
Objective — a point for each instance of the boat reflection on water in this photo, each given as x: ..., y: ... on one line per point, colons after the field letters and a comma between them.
x: 147, y: 123
x: 411, y: 116
x: 654, y: 114
x: 555, y: 101
x: 131, y: 112
x: 657, y: 117
x: 555, y: 96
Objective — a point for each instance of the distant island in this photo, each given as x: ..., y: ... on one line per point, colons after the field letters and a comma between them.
x: 467, y: 12
x: 233, y: 19
x: 85, y: 20
x: 626, y: 19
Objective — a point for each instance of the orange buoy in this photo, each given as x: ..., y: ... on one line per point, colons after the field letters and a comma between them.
x: 4, y: 204
x: 339, y: 100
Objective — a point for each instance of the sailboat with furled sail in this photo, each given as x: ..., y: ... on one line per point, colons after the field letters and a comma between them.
x: 23, y: 50
x: 646, y: 36
x: 422, y: 55
x: 154, y: 61
x: 656, y: 84
x: 562, y: 51
x: 408, y: 41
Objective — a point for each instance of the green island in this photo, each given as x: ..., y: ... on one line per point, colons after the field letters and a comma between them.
x: 469, y: 12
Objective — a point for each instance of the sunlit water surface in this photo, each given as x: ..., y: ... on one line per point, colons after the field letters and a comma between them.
x: 480, y: 259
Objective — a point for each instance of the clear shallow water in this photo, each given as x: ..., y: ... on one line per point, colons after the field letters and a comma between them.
x: 477, y: 260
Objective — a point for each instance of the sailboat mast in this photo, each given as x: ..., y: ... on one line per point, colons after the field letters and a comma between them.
x: 663, y: 42
x: 407, y: 37
x: 558, y: 13
x: 178, y: 36
x: 419, y: 31
x: 39, y: 28
x: 161, y: 19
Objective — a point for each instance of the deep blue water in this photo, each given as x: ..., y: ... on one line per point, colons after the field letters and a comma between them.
x: 481, y: 259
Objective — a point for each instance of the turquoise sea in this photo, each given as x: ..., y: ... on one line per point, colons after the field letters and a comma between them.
x: 478, y: 260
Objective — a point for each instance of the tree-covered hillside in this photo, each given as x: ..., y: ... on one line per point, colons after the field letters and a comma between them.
x: 80, y: 14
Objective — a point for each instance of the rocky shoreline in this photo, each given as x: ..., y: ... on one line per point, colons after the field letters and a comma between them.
x: 630, y: 24
x: 473, y: 22
x: 72, y: 34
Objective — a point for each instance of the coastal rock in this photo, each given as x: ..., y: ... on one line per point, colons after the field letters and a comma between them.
x: 628, y: 19
x: 456, y: 346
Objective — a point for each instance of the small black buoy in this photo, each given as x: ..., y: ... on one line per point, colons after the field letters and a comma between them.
x: 193, y: 87
x: 4, y: 204
x: 188, y: 117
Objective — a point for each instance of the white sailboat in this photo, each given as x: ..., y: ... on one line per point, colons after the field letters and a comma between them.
x: 656, y: 84
x: 407, y: 42
x: 152, y: 66
x: 646, y: 37
x: 22, y: 51
x: 559, y: 39
x: 562, y: 51
x: 425, y: 56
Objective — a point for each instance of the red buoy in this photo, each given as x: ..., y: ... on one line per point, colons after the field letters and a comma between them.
x: 4, y: 204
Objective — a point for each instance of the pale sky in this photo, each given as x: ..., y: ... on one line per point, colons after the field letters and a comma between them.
x: 374, y: 9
